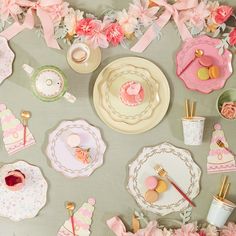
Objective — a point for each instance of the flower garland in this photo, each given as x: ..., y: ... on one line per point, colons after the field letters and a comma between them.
x: 59, y: 21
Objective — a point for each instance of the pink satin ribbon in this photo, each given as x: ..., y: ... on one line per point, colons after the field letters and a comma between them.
x: 170, y: 10
x: 46, y: 21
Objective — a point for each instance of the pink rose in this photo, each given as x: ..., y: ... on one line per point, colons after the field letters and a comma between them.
x: 222, y: 13
x: 232, y: 37
x: 114, y: 33
x: 228, y: 110
x: 85, y: 26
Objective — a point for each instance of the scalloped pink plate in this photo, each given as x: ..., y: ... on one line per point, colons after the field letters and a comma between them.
x: 189, y: 76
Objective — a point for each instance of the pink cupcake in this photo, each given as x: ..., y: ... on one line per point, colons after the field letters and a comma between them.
x: 132, y: 93
x: 15, y: 180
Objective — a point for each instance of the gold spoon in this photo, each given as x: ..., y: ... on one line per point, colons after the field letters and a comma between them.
x: 70, y: 206
x: 25, y: 115
x: 198, y: 53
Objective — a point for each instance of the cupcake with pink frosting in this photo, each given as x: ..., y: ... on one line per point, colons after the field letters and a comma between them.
x: 132, y: 93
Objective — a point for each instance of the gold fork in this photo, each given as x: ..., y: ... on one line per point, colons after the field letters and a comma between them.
x: 161, y: 172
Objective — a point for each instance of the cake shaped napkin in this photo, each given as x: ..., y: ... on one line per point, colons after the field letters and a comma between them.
x: 82, y: 221
x: 219, y: 159
x: 13, y: 132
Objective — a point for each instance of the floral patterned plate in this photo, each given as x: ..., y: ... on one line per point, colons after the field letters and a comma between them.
x: 131, y: 119
x: 27, y: 202
x: 6, y: 59
x: 180, y: 167
x: 209, y: 47
x: 64, y: 160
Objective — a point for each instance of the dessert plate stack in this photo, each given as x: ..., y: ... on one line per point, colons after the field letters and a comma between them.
x: 119, y: 114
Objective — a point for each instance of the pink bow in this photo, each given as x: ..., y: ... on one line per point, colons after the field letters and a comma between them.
x: 170, y: 10
x: 47, y: 23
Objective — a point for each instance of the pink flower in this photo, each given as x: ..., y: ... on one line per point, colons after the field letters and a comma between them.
x: 114, y: 33
x: 186, y: 230
x: 232, y: 37
x: 196, y: 16
x: 228, y: 110
x: 97, y: 38
x: 9, y: 8
x: 85, y: 27
x: 229, y: 230
x: 140, y: 9
x: 127, y: 22
x: 222, y: 13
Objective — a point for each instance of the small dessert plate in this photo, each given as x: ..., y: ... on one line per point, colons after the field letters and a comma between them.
x: 181, y: 169
x: 6, y: 59
x: 26, y: 202
x: 63, y: 156
x: 123, y: 113
x: 209, y: 47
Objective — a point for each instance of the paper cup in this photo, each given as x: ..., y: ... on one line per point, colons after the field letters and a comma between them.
x: 219, y: 212
x: 193, y: 130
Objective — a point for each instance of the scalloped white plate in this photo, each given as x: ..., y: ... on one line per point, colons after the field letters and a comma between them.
x: 180, y: 167
x: 6, y: 59
x: 27, y: 202
x: 62, y: 158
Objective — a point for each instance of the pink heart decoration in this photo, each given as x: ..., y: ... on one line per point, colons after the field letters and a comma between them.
x: 134, y: 89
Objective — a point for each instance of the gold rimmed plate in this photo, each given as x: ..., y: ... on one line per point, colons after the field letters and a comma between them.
x: 131, y: 119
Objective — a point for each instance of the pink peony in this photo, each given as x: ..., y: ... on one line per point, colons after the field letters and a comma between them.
x: 232, y: 37
x: 97, y: 38
x: 9, y: 8
x: 222, y: 14
x: 186, y: 230
x: 228, y: 110
x: 85, y: 26
x: 114, y: 33
x: 229, y: 230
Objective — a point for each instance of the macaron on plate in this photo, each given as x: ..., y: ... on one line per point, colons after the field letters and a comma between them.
x: 6, y: 59
x: 23, y: 191
x: 153, y: 193
x: 131, y: 95
x: 75, y: 148
x: 208, y: 72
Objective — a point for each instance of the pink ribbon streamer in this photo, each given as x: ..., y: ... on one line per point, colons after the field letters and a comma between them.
x: 170, y: 10
x: 46, y: 21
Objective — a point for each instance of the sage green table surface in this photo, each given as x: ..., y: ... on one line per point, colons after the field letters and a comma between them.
x: 108, y: 183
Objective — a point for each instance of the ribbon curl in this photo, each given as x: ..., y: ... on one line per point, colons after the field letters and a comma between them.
x: 170, y: 11
x: 40, y: 8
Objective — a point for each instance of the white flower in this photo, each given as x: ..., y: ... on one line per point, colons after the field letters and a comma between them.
x: 127, y: 22
x: 71, y: 19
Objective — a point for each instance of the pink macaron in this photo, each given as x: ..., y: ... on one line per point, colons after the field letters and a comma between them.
x: 205, y: 61
x: 151, y: 182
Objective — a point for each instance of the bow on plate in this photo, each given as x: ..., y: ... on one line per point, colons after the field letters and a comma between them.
x: 41, y: 9
x: 170, y: 10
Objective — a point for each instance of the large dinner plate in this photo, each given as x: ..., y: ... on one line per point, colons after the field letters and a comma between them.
x: 131, y: 119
